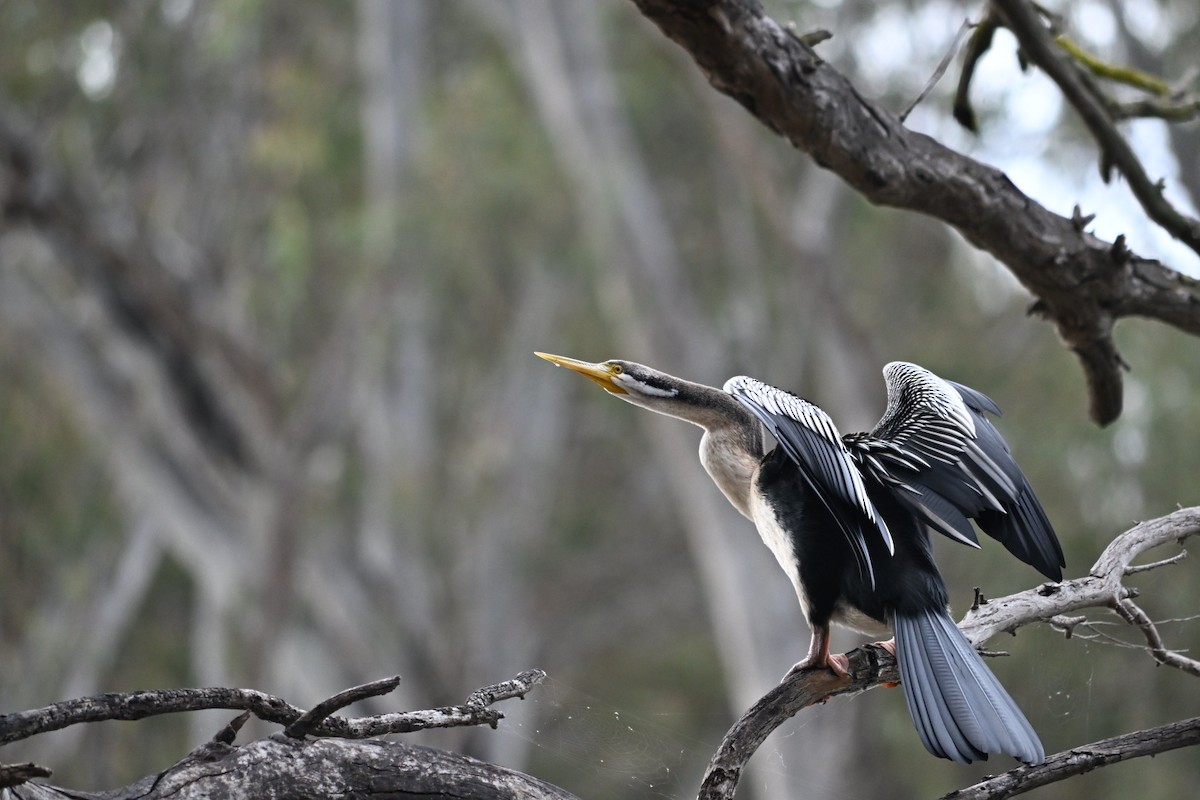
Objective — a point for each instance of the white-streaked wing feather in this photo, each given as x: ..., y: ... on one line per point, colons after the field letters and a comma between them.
x: 811, y: 440
x: 929, y: 417
x: 970, y: 472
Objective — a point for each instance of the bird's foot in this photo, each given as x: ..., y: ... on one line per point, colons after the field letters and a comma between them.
x: 837, y: 662
x: 819, y: 656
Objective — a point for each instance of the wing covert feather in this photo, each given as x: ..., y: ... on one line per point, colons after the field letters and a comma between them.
x: 811, y: 440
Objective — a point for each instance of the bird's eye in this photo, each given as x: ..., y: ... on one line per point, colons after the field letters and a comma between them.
x: 617, y: 369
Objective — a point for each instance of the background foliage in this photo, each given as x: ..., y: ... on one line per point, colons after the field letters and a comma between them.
x: 357, y: 221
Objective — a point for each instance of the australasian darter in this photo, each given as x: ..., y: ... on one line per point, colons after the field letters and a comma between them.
x: 848, y: 519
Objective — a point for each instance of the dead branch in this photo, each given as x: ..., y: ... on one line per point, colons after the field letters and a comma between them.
x: 1083, y: 283
x: 139, y: 705
x: 309, y: 720
x: 871, y: 665
x: 282, y: 768
x: 290, y: 764
x: 1098, y: 589
x: 1132, y: 613
x: 1078, y: 760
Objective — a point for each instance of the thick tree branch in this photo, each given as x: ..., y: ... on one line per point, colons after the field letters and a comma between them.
x: 871, y: 665
x: 282, y: 768
x: 1082, y: 283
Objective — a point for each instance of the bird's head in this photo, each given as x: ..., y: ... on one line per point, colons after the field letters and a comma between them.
x: 633, y: 383
x: 662, y: 393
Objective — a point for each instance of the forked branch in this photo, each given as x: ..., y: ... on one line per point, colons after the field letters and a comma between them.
x: 140, y: 705
x: 1082, y: 283
x: 1038, y: 44
x: 319, y: 722
x: 1102, y: 588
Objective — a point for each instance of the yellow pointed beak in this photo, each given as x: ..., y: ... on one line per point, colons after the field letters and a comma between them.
x: 601, y: 374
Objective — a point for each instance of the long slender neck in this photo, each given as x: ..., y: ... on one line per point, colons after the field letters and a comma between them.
x: 732, y: 445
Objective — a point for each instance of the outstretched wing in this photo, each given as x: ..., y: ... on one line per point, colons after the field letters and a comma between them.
x: 958, y: 466
x: 810, y: 439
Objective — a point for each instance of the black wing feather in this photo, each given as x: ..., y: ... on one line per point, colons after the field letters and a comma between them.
x: 969, y: 466
x: 810, y: 439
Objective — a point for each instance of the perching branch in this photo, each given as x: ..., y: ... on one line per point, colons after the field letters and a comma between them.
x: 1103, y: 586
x: 870, y: 665
x: 1082, y: 283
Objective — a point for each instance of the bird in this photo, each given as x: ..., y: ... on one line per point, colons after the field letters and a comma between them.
x: 849, y: 519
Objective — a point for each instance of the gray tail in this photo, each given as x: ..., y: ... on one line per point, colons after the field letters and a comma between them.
x: 959, y: 708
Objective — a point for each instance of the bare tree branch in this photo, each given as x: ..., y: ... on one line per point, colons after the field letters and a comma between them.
x: 1038, y: 44
x: 309, y: 720
x: 1183, y: 109
x: 871, y: 665
x: 290, y: 764
x: 1085, y: 758
x: 1098, y: 589
x: 977, y: 45
x: 1133, y: 614
x: 139, y: 705
x: 1083, y: 283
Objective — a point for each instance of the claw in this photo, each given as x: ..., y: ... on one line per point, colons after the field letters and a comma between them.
x: 835, y: 662
x: 819, y: 656
x: 839, y: 664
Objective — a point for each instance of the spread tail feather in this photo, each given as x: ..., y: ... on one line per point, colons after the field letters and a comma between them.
x: 958, y: 706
